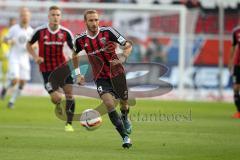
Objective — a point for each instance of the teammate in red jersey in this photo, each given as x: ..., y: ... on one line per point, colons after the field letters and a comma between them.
x: 234, y: 67
x: 99, y: 44
x: 51, y: 39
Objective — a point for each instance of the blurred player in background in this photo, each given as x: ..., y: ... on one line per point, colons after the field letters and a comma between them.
x: 51, y: 39
x: 19, y: 70
x: 99, y: 44
x: 4, y: 50
x: 234, y: 67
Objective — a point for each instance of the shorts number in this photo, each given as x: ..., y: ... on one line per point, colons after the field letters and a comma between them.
x: 100, y: 89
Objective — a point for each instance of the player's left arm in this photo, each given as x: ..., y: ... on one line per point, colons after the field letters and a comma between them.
x: 125, y: 45
x: 70, y: 40
x: 75, y: 59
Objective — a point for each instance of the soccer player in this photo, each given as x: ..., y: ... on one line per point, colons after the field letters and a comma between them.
x: 51, y: 38
x: 4, y: 50
x: 98, y: 42
x: 19, y: 70
x: 234, y: 67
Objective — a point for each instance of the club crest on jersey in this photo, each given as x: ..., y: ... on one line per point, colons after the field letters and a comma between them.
x: 103, y: 40
x: 60, y: 36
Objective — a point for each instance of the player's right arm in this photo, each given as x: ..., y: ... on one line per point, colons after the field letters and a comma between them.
x: 75, y: 58
x: 233, y: 50
x: 9, y: 38
x: 30, y: 47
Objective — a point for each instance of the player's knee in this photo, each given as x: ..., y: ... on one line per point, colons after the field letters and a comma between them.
x: 14, y: 82
x: 69, y: 96
x: 123, y: 103
x: 109, y: 103
x: 56, y: 99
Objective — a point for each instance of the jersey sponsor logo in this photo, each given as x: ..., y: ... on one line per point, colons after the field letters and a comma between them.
x: 100, y: 90
x: 97, y: 51
x: 53, y: 43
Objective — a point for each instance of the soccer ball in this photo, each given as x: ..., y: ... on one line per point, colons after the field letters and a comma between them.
x: 90, y: 119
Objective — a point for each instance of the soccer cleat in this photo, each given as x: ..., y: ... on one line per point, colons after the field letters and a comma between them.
x: 3, y: 93
x: 127, y: 125
x: 69, y: 128
x: 126, y: 142
x: 10, y: 105
x: 236, y: 115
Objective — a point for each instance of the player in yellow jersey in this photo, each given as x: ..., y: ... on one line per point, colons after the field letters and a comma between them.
x: 4, y: 49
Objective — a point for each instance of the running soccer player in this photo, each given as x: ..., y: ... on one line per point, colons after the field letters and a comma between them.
x: 234, y: 67
x: 51, y: 39
x: 99, y: 44
x: 19, y: 70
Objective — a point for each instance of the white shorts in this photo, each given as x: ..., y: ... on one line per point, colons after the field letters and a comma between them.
x: 18, y: 70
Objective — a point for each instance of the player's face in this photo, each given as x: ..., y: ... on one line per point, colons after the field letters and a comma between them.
x: 92, y: 22
x: 54, y: 17
x: 25, y: 16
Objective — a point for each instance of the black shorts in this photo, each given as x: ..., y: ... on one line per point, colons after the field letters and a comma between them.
x: 117, y: 87
x: 52, y: 84
x: 236, y: 74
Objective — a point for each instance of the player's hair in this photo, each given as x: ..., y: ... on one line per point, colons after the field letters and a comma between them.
x: 89, y: 11
x: 54, y: 8
x: 24, y: 9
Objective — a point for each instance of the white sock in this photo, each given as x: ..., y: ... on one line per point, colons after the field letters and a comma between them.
x: 15, y: 94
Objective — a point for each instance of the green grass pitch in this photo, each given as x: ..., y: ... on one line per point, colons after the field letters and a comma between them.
x: 162, y: 130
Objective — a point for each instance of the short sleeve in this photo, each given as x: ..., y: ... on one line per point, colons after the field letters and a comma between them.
x: 76, y: 45
x: 35, y: 37
x: 70, y: 40
x: 116, y: 36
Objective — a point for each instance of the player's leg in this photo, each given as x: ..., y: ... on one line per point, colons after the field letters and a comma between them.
x: 24, y: 76
x: 119, y: 85
x: 236, y: 90
x: 14, y: 74
x: 124, y: 108
x: 105, y: 89
x: 16, y: 93
x: 70, y: 106
x: 109, y: 102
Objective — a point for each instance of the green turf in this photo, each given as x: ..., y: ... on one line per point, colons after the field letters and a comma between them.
x: 197, y: 131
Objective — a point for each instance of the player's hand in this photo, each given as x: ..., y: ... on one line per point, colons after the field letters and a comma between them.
x: 79, y: 79
x: 120, y: 60
x: 39, y: 60
x: 115, y: 62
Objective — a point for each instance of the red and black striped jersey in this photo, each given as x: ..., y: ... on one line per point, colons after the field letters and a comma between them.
x: 100, y: 49
x: 51, y: 46
x: 236, y: 42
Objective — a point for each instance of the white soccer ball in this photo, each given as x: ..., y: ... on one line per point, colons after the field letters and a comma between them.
x: 90, y: 119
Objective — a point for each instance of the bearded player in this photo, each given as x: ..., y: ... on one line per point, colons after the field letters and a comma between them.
x: 99, y: 42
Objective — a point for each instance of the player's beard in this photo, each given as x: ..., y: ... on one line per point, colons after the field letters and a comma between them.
x: 93, y: 29
x: 54, y: 26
